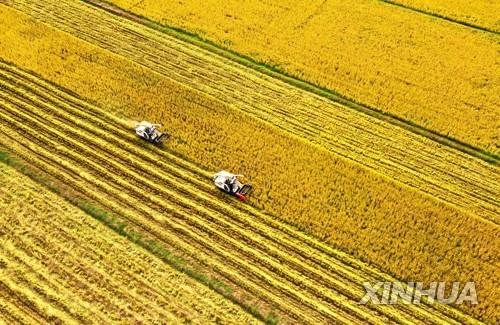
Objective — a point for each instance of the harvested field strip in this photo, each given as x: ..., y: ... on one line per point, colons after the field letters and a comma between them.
x: 66, y: 142
x: 106, y: 295
x: 20, y: 261
x: 20, y: 302
x: 23, y: 290
x: 12, y: 314
x: 111, y: 287
x: 454, y: 177
x: 24, y: 261
x: 80, y: 252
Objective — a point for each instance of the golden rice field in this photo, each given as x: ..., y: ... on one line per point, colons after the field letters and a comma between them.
x: 168, y: 198
x: 478, y: 13
x: 434, y: 244
x: 58, y: 265
x: 437, y: 74
x: 340, y: 197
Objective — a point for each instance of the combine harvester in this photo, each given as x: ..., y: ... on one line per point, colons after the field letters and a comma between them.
x: 229, y: 183
x: 149, y: 132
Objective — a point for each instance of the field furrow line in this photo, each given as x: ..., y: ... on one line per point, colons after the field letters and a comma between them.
x: 47, y: 289
x: 27, y: 297
x: 52, y: 289
x: 15, y: 303
x: 77, y: 274
x: 358, y: 282
x: 11, y: 314
x: 23, y: 259
x: 94, y: 285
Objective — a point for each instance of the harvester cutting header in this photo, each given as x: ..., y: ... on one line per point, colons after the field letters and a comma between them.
x: 229, y: 183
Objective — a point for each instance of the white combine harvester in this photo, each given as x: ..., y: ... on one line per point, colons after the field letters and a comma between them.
x: 229, y: 183
x: 149, y: 132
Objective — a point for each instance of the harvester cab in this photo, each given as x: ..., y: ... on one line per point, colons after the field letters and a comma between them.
x: 229, y: 183
x: 149, y: 132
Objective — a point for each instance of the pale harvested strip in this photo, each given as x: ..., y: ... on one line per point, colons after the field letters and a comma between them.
x: 481, y: 13
x: 437, y: 170
x: 66, y: 140
x: 49, y: 244
x: 435, y: 73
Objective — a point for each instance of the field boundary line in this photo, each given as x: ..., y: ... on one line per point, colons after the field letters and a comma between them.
x: 277, y: 73
x: 441, y: 16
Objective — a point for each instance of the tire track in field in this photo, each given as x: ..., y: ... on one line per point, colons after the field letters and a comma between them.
x: 30, y: 136
x: 416, y: 161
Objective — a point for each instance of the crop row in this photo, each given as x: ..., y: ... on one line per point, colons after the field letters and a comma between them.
x: 133, y: 194
x: 72, y: 268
